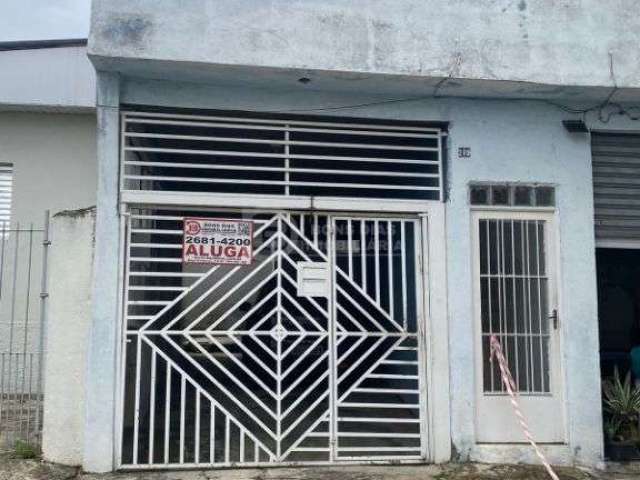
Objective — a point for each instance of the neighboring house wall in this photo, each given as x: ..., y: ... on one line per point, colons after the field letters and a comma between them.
x: 47, y: 133
x: 54, y: 165
x: 54, y: 161
x: 47, y: 78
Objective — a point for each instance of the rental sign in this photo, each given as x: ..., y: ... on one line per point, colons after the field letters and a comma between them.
x: 217, y: 241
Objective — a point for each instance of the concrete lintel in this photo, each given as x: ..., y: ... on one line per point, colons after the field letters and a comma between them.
x: 108, y: 89
x: 355, y: 82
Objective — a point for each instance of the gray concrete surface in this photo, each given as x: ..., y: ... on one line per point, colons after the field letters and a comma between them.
x: 17, y: 469
x: 103, y: 337
x: 59, y: 79
x: 70, y: 268
x: 511, y: 142
x: 564, y: 42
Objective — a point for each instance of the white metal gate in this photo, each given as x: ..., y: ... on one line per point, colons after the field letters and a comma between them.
x: 312, y: 354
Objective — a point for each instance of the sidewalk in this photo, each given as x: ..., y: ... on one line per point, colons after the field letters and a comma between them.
x: 13, y: 469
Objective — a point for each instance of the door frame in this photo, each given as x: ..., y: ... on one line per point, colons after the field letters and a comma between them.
x: 557, y: 381
x: 433, y: 299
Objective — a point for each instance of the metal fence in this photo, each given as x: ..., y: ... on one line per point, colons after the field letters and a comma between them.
x: 23, y: 313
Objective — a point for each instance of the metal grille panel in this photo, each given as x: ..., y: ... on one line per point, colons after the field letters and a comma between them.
x: 213, y: 154
x: 514, y: 303
x: 378, y: 395
x: 230, y: 365
x: 616, y: 185
x: 6, y: 192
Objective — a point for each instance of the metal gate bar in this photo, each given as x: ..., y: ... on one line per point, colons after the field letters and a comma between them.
x: 387, y: 389
x: 23, y: 264
x: 222, y: 154
x: 230, y: 365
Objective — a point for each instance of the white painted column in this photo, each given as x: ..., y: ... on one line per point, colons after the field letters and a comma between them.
x: 579, y: 323
x: 437, y: 333
x: 70, y: 274
x: 104, y: 335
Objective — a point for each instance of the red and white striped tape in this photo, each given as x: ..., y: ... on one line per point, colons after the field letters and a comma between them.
x: 510, y: 385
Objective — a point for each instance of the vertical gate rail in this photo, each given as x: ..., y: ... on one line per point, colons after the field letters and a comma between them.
x: 23, y: 315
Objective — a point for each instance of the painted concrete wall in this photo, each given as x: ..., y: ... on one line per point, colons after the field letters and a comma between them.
x: 54, y: 159
x: 566, y: 42
x: 72, y: 235
x: 102, y: 347
x: 47, y: 78
x: 510, y: 141
x: 54, y: 162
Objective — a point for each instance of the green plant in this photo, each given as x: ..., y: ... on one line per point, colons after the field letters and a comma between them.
x: 611, y: 428
x: 622, y: 403
x: 24, y: 450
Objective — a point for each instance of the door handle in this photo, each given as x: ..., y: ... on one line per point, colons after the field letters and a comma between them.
x: 554, y: 318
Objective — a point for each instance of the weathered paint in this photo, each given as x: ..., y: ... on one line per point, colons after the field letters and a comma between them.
x: 551, y: 42
x: 101, y: 385
x: 72, y: 235
x: 509, y: 141
x: 248, y: 55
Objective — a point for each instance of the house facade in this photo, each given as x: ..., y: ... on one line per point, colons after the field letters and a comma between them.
x: 47, y: 118
x: 47, y: 165
x: 312, y: 217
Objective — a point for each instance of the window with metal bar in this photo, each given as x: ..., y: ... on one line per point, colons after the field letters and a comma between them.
x: 514, y: 302
x: 6, y: 192
x: 230, y: 154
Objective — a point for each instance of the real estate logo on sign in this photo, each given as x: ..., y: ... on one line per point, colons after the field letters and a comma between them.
x: 217, y: 241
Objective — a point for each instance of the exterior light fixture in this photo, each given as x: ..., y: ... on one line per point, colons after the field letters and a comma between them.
x: 575, y: 126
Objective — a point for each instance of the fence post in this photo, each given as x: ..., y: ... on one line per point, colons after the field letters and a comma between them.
x: 20, y: 403
x: 44, y: 296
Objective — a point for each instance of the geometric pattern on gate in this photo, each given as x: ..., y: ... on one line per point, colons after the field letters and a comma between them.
x: 235, y: 367
x: 378, y: 402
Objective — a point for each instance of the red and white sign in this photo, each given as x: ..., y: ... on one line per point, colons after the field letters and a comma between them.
x: 216, y: 241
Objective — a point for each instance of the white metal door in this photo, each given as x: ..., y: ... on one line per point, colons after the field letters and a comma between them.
x: 515, y: 299
x: 295, y: 359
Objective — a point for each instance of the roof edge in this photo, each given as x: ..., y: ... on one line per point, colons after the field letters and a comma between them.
x: 39, y: 44
x: 45, y: 108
